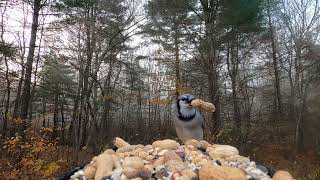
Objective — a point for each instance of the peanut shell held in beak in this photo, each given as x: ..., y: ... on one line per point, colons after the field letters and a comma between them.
x: 203, y: 105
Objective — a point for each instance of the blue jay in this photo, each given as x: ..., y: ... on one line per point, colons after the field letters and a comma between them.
x: 188, y: 121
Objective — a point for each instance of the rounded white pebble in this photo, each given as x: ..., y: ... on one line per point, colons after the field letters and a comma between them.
x: 81, y: 172
x: 158, y: 168
x: 123, y: 177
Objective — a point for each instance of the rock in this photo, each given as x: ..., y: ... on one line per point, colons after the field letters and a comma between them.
x: 81, y: 172
x: 176, y: 175
x: 131, y: 172
x: 282, y: 175
x: 203, y: 150
x: 148, y: 148
x: 219, y: 173
x: 104, y: 166
x: 204, y: 162
x: 149, y: 157
x: 174, y: 165
x: 193, y: 142
x: 195, y: 156
x: 109, y: 151
x: 256, y: 173
x: 133, y: 162
x: 238, y: 158
x: 89, y: 172
x: 145, y: 174
x: 149, y: 167
x: 105, y: 178
x: 190, y: 147
x: 158, y: 168
x: 118, y: 142
x: 143, y: 154
x: 162, y: 152
x: 116, y: 175
x: 161, y: 174
x: 262, y: 168
x: 181, y: 153
x: 123, y: 177
x: 158, y: 162
x: 222, y: 151
x: 218, y: 162
x: 171, y: 155
x: 116, y: 162
x: 166, y: 159
x: 129, y: 148
x: 137, y: 178
x: 204, y: 144
x: 188, y: 173
x: 165, y: 144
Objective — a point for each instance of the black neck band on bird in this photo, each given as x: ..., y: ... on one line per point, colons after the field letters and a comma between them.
x: 184, y: 118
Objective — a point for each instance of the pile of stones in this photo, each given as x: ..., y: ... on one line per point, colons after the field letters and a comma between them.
x: 167, y: 159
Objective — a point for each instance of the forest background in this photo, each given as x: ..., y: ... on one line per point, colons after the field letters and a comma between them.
x: 74, y: 74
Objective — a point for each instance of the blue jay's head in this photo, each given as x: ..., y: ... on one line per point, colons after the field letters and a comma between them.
x: 184, y: 100
x: 185, y: 110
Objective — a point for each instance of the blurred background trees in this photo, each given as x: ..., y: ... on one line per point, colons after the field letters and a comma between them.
x: 93, y: 70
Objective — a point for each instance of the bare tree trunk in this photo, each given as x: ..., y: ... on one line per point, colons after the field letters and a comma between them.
x: 90, y: 44
x: 62, y: 119
x: 74, y: 126
x: 292, y: 92
x: 248, y: 103
x: 177, y: 64
x: 6, y: 111
x: 215, y: 98
x: 18, y: 96
x: 141, y: 123
x: 106, y: 122
x: 17, y: 102
x: 27, y: 79
x: 300, y: 98
x: 299, y: 129
x: 233, y: 70
x: 35, y: 75
x: 44, y: 113
x: 55, y: 116
x: 93, y: 124
x: 275, y: 62
x: 211, y: 61
x: 213, y: 88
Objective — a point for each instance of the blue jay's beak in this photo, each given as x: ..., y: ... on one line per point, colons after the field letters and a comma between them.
x: 189, y: 102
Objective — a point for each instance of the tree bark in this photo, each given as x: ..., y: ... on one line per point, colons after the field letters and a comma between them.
x: 275, y: 62
x: 44, y: 104
x: 211, y: 60
x: 6, y: 112
x: 106, y: 107
x: 74, y: 126
x: 62, y: 119
x: 55, y: 116
x: 233, y: 70
x: 90, y: 44
x: 177, y: 63
x: 27, y: 78
x: 35, y: 75
x: 17, y: 102
x: 18, y: 96
x: 299, y: 128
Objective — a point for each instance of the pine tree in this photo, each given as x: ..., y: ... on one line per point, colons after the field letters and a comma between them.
x: 167, y: 24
